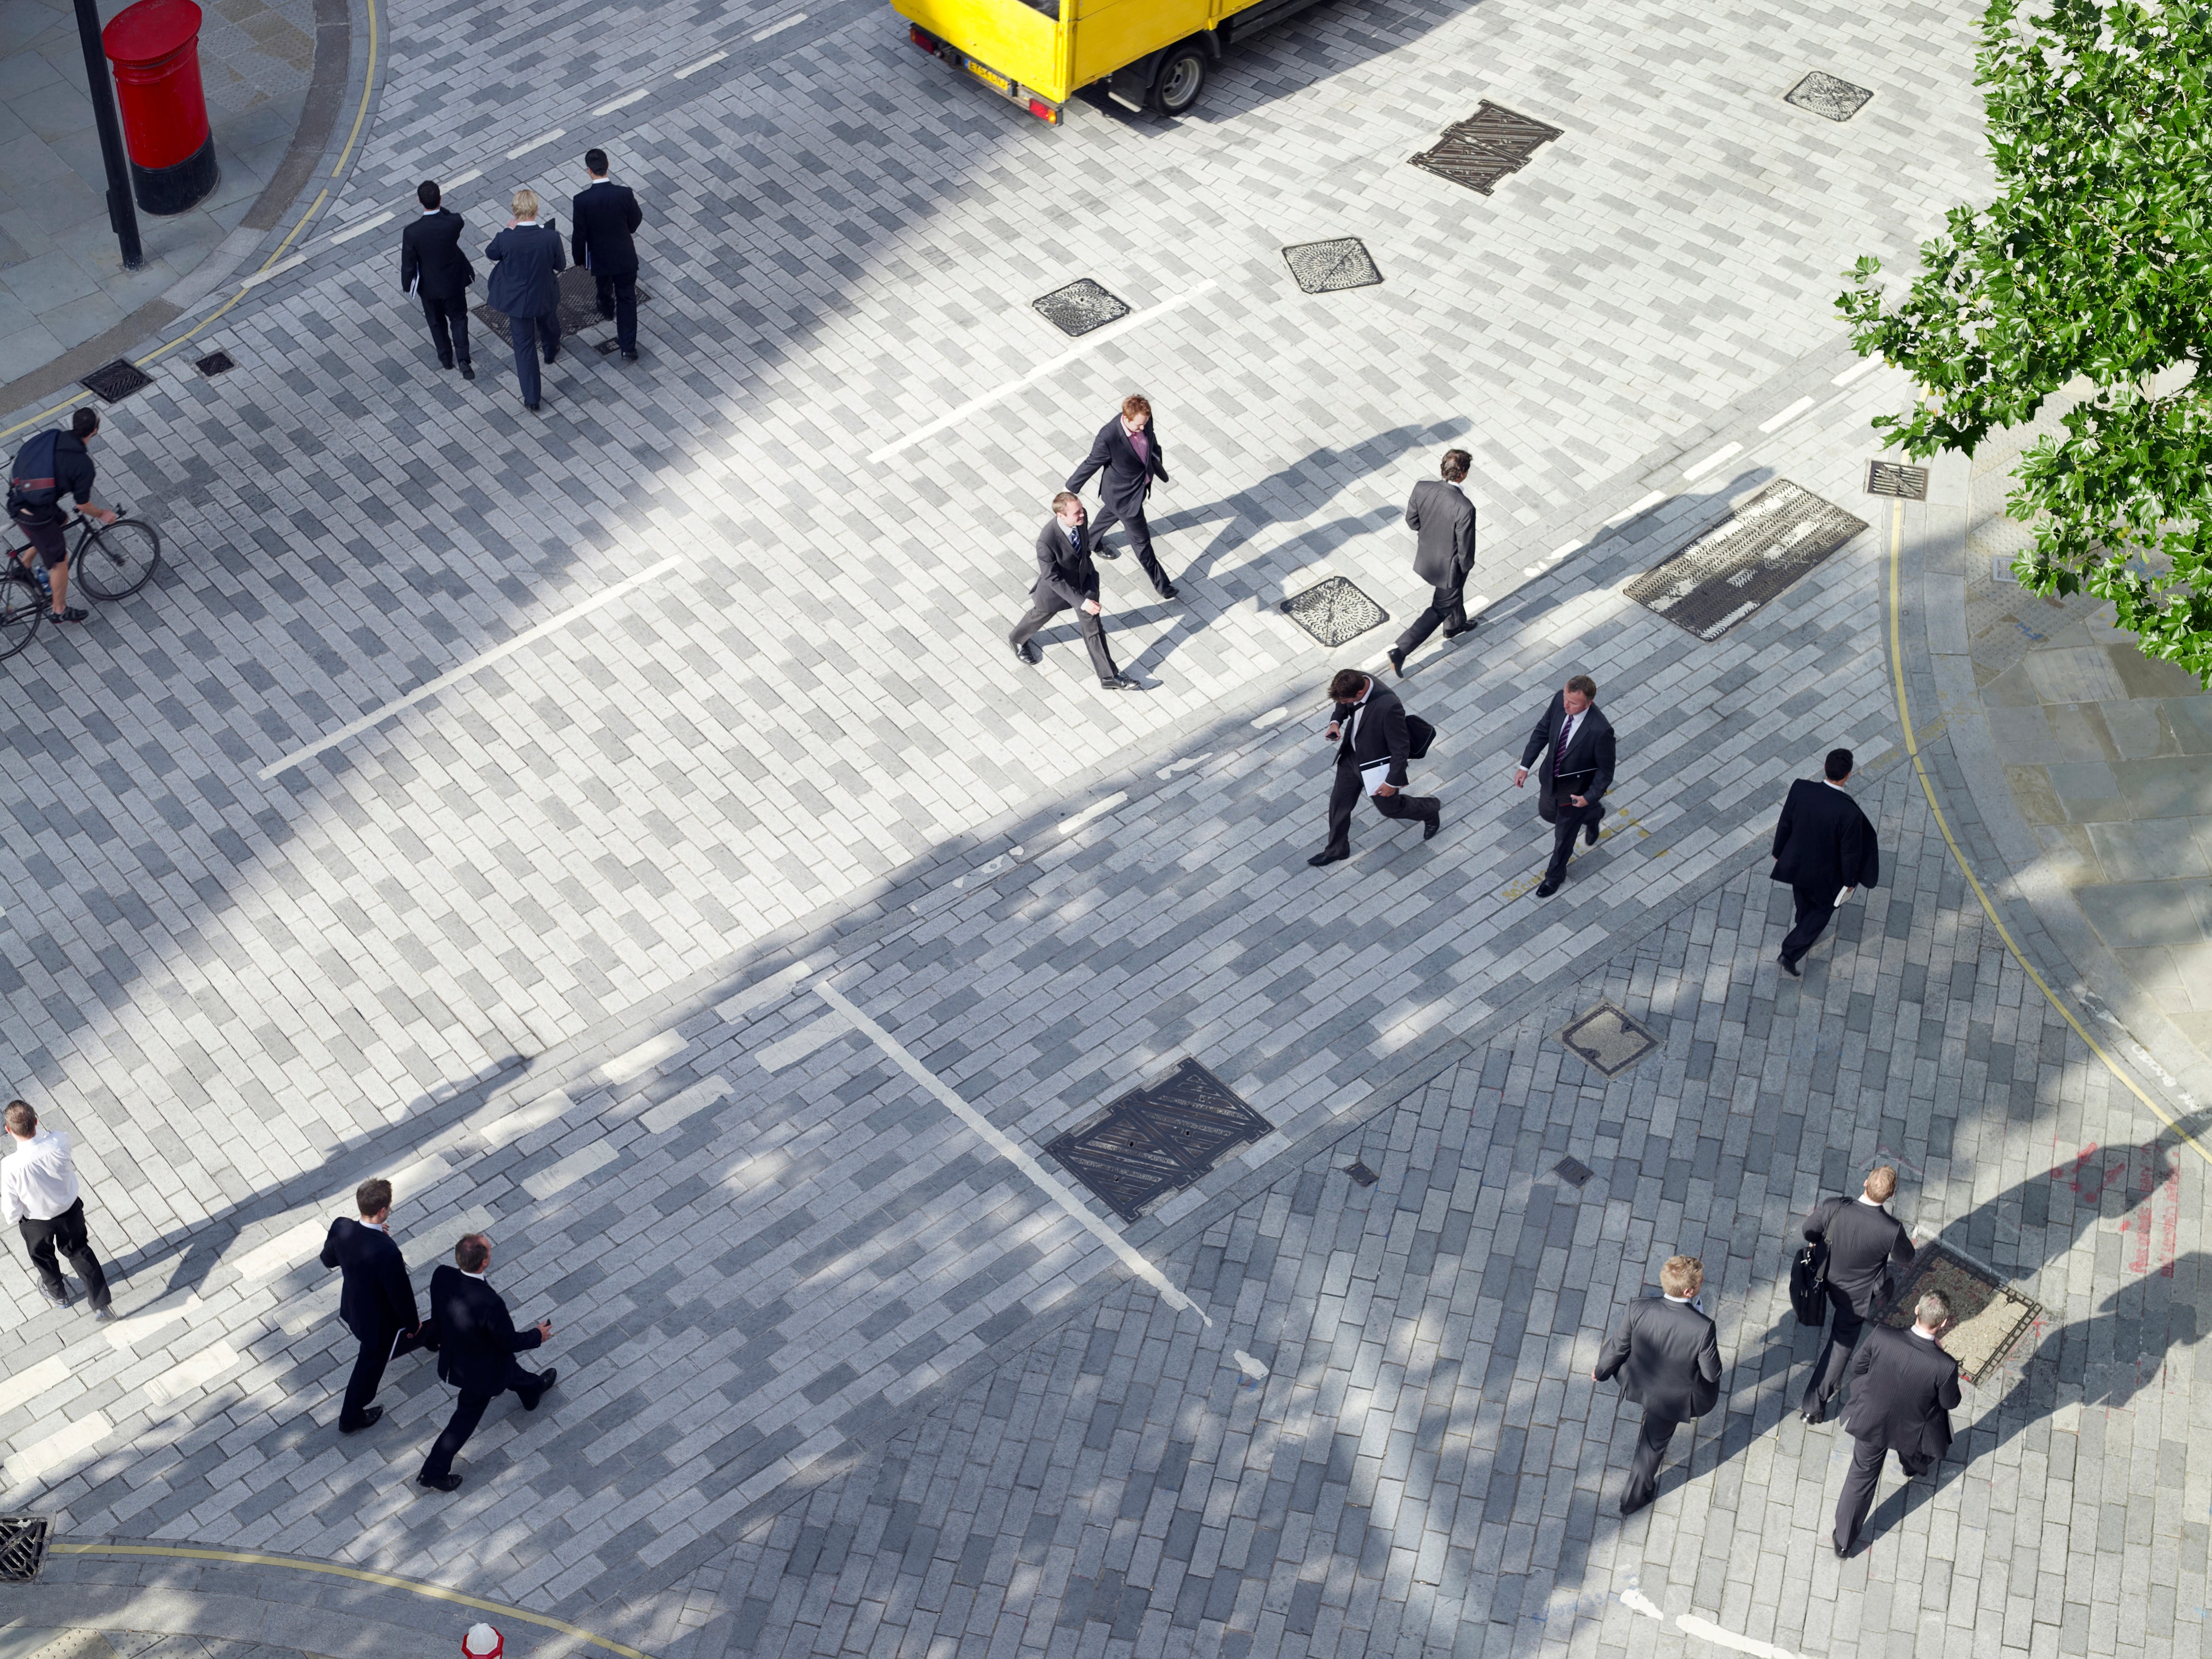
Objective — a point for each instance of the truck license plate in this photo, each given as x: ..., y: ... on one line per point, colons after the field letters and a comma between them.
x: 990, y: 76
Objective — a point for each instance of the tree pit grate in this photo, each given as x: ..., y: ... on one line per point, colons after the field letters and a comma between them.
x: 1485, y: 148
x: 1608, y: 1041
x: 1908, y: 484
x: 1825, y: 95
x: 1154, y: 1141
x: 1751, y: 556
x: 1988, y: 1316
x: 22, y: 1547
x: 1335, y: 611
x: 578, y: 308
x: 112, y: 382
x: 1332, y: 266
x: 1080, y: 306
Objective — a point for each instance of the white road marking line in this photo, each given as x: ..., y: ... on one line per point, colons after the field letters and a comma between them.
x: 468, y: 177
x: 1091, y: 342
x: 352, y: 231
x: 710, y: 59
x: 1068, y: 824
x: 1020, y: 1157
x: 806, y: 1039
x: 1777, y: 421
x: 453, y: 676
x: 990, y: 867
x: 1638, y: 509
x: 777, y: 28
x: 741, y: 1004
x: 41, y: 1457
x: 673, y: 1110
x: 634, y: 1063
x: 559, y: 1177
x: 627, y: 98
x: 1692, y: 474
x: 1855, y: 370
x: 1637, y: 1602
x: 293, y: 1248
x: 49, y: 1373
x: 190, y: 1376
x: 542, y: 138
x: 275, y: 271
x: 1691, y: 1625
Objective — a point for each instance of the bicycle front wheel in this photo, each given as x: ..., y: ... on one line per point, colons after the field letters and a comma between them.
x: 116, y: 560
x: 23, y: 607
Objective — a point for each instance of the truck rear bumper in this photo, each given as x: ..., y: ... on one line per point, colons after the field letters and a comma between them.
x: 1045, y: 109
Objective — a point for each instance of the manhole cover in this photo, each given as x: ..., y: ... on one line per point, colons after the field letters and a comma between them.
x: 215, y: 362
x: 23, y: 1547
x: 1153, y: 1141
x: 579, y: 305
x: 113, y: 382
x: 1482, y: 149
x: 1991, y: 1316
x: 1608, y: 1041
x: 1333, y: 612
x: 1326, y: 267
x: 1746, y: 559
x: 1079, y: 307
x: 1360, y: 1174
x: 1824, y: 94
x: 1573, y: 1170
x: 1895, y: 478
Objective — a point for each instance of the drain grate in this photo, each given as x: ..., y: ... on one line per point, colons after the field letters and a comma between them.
x: 1824, y: 94
x: 1360, y: 1174
x: 579, y: 305
x: 1573, y: 1171
x: 1608, y: 1041
x: 22, y: 1547
x: 1991, y: 1316
x: 1080, y: 306
x: 1895, y: 478
x: 1748, y: 558
x: 1335, y: 611
x: 113, y: 382
x: 1482, y: 149
x: 214, y: 363
x: 1330, y: 267
x: 1153, y: 1141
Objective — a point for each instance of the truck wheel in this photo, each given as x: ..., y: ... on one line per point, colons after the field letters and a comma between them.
x: 1183, y: 77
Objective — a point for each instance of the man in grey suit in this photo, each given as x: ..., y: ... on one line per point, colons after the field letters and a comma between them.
x: 1823, y: 848
x: 1668, y: 1356
x: 1864, y: 1239
x: 1067, y: 580
x: 1904, y: 1389
x: 1443, y: 521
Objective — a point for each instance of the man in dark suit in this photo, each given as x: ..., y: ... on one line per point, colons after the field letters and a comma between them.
x: 477, y: 1345
x: 1904, y: 1389
x: 602, y: 217
x: 1127, y: 450
x: 1443, y: 521
x: 376, y: 1300
x: 1572, y: 783
x: 1667, y: 1356
x: 526, y: 286
x: 1863, y: 1240
x: 1368, y: 730
x: 1067, y: 580
x: 433, y: 267
x: 1823, y: 848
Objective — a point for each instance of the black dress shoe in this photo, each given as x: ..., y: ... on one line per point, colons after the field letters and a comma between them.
x: 533, y: 408
x: 545, y: 1381
x: 1549, y: 887
x: 1167, y: 591
x: 1320, y: 859
x: 1454, y: 632
x: 1589, y: 832
x: 468, y: 371
x: 1789, y: 967
x: 630, y: 357
x: 1814, y: 1419
x: 1842, y: 1554
x: 1102, y: 552
x: 444, y: 362
x: 440, y: 1482
x: 1429, y: 831
x: 1628, y: 1509
x: 554, y: 356
x: 1029, y: 653
x: 368, y: 1418
x: 1120, y: 682
x: 1398, y: 662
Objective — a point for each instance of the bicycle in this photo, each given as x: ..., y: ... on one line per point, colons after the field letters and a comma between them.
x: 109, y: 562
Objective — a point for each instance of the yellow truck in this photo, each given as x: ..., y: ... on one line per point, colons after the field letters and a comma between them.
x: 1143, y: 54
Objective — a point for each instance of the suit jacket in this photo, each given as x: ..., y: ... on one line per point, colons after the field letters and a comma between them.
x: 476, y: 1338
x: 1668, y: 1356
x: 1381, y: 732
x: 1127, y: 480
x: 430, y: 249
x: 1586, y: 769
x: 525, y: 280
x: 377, y: 1299
x: 1904, y: 1390
x: 604, y: 216
x: 1824, y: 840
x: 1062, y: 570
x: 1864, y: 1239
x: 1443, y: 520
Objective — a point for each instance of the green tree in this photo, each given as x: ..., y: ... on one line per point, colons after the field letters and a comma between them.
x: 2093, y: 262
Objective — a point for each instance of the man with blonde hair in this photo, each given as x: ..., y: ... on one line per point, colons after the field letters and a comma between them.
x: 1667, y: 1356
x: 527, y: 259
x: 1863, y: 1239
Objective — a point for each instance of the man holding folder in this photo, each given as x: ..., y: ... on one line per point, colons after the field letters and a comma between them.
x: 1823, y: 848
x: 1369, y: 729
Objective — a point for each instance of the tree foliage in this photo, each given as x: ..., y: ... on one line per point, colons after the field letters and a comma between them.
x: 2093, y: 262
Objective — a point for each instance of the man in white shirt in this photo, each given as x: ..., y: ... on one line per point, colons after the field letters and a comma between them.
x: 39, y: 1193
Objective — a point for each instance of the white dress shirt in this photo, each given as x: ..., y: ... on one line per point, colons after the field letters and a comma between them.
x: 38, y: 1180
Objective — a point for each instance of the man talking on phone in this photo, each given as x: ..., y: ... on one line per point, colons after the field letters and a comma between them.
x: 1823, y: 848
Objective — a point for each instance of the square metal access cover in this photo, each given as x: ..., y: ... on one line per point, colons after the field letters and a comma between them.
x: 214, y: 363
x: 1482, y: 149
x: 1991, y: 1316
x: 1333, y: 611
x: 1607, y: 1040
x: 1080, y: 306
x: 1748, y: 558
x: 1824, y: 94
x: 579, y: 305
x: 113, y: 382
x: 22, y: 1547
x: 1327, y: 267
x: 1572, y: 1170
x: 1895, y: 478
x: 1153, y: 1141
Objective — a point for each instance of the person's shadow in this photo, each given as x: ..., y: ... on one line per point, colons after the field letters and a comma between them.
x: 2040, y: 1219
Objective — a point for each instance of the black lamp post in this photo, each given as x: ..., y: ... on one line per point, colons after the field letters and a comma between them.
x: 121, y: 212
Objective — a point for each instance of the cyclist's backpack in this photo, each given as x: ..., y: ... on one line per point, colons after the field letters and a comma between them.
x: 33, y: 483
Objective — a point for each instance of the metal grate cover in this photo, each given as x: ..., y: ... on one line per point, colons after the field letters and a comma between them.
x: 113, y: 382
x: 1573, y: 1171
x: 1360, y: 1174
x: 1824, y: 94
x: 214, y: 363
x: 1153, y: 1141
x: 579, y: 305
x: 22, y: 1547
x: 1991, y: 1316
x: 1328, y: 267
x: 1482, y: 149
x: 1080, y: 306
x: 1333, y: 611
x: 1895, y: 478
x: 1748, y: 558
x: 1608, y: 1041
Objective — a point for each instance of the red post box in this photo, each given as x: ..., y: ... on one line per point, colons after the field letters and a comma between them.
x: 155, y: 46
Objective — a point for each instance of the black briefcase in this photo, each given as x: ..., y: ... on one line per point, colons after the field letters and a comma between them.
x: 1808, y: 1283
x: 1420, y: 735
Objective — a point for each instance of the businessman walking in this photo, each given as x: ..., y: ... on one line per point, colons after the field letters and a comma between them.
x: 1904, y: 1389
x: 1372, y: 749
x: 376, y: 1300
x: 1823, y: 848
x: 477, y: 1345
x: 433, y: 268
x: 1667, y: 1356
x: 1863, y: 1240
x: 1441, y: 519
x: 1571, y: 782
x: 1127, y: 450
x: 1067, y: 580
x: 602, y: 217
x: 526, y: 286
x: 39, y: 1193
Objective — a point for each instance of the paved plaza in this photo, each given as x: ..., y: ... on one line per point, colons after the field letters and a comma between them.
x: 626, y: 828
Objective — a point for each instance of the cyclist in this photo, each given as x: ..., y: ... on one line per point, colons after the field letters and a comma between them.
x: 52, y: 464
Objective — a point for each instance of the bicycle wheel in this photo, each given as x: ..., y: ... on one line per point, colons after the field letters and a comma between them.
x: 23, y: 607
x: 116, y: 560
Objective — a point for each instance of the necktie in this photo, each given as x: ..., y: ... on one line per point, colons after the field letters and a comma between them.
x: 1559, y: 749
